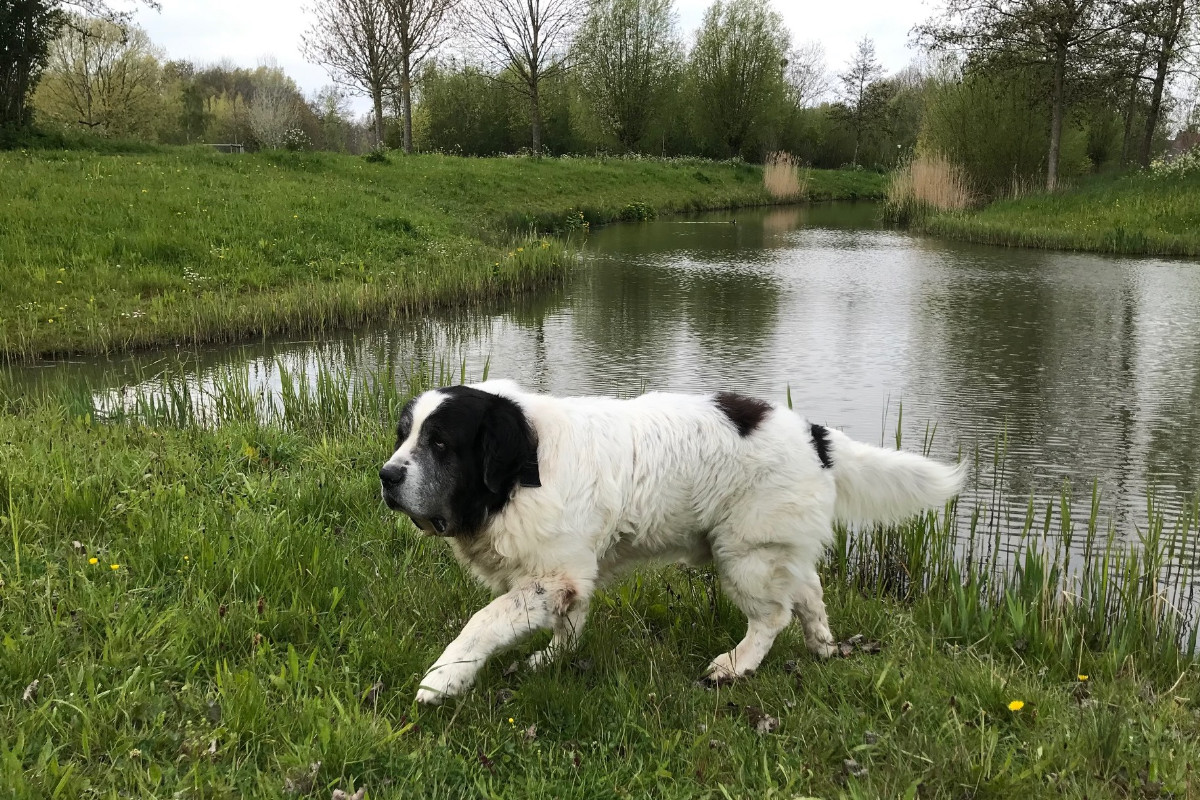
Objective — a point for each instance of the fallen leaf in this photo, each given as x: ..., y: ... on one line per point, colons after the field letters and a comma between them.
x: 338, y: 794
x: 853, y: 768
x: 31, y: 691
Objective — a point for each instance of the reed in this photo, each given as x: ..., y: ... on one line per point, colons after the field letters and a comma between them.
x: 927, y: 184
x: 783, y: 177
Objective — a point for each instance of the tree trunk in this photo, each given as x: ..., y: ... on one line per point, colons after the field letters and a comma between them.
x: 1056, y: 118
x: 1160, y: 80
x: 406, y: 102
x: 377, y: 99
x: 536, y: 117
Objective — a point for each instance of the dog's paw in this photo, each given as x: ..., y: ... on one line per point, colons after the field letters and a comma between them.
x: 822, y: 649
x: 722, y: 670
x: 445, y: 681
x: 540, y: 659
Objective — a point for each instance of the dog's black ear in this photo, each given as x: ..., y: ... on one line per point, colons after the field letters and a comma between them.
x: 508, y: 448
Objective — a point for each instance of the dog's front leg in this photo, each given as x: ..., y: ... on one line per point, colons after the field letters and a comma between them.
x: 500, y: 623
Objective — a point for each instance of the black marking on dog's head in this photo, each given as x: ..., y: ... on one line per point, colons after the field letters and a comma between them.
x: 744, y: 412
x: 820, y: 436
x: 471, y: 452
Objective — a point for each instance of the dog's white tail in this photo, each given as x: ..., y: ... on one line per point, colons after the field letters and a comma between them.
x: 879, y: 485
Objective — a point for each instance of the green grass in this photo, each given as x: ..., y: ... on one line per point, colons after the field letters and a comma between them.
x: 1136, y: 214
x: 110, y: 252
x: 268, y: 621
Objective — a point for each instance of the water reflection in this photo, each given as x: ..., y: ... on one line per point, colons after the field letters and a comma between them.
x: 1087, y: 367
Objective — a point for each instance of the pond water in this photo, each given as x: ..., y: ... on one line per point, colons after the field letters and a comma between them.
x: 1088, y: 366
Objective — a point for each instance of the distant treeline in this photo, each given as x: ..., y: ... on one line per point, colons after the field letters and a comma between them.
x: 1015, y: 92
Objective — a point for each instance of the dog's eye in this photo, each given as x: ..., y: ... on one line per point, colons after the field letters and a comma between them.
x: 437, y: 444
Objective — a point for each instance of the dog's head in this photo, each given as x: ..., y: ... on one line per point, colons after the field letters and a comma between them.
x: 460, y: 453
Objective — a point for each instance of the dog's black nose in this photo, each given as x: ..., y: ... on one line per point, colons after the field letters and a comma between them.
x: 392, y: 475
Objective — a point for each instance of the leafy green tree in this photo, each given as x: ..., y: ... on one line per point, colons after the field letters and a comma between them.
x: 27, y: 27
x: 101, y: 77
x: 628, y: 58
x: 1065, y: 39
x: 863, y: 107
x: 737, y: 70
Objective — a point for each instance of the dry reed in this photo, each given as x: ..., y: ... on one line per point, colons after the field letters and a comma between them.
x: 929, y: 182
x: 782, y: 177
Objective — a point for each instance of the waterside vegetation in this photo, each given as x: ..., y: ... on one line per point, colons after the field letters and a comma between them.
x: 204, y: 595
x: 105, y: 253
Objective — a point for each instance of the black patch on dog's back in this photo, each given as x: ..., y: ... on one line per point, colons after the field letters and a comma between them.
x: 744, y: 412
x: 820, y: 435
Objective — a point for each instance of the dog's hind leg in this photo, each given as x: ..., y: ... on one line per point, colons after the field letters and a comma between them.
x: 761, y: 582
x: 810, y: 608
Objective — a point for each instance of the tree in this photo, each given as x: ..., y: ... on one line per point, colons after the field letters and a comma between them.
x: 861, y: 104
x: 737, y: 67
x: 27, y: 27
x: 1063, y: 37
x: 1165, y: 26
x: 102, y: 77
x: 528, y: 37
x: 806, y: 75
x: 356, y: 42
x: 628, y: 54
x: 420, y: 28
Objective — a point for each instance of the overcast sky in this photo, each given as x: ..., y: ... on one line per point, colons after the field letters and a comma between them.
x: 248, y: 32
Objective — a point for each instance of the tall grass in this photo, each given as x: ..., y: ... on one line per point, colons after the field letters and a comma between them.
x: 928, y: 183
x: 783, y: 177
x: 266, y: 623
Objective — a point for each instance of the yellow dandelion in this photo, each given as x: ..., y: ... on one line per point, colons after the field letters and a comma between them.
x: 114, y: 567
x: 295, y: 216
x: 1082, y: 677
x: 520, y: 249
x: 93, y: 560
x: 58, y: 281
x: 50, y: 320
x: 1016, y: 705
x: 187, y: 558
x: 511, y: 721
x: 144, y: 191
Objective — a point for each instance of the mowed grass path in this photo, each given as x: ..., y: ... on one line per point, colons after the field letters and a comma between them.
x: 189, y: 611
x: 103, y: 253
x: 1135, y: 214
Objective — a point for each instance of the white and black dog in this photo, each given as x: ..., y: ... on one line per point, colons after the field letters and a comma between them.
x: 544, y: 498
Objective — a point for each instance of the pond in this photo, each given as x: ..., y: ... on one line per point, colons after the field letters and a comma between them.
x: 1079, y: 367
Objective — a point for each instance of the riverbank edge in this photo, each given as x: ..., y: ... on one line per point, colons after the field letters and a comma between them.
x: 1134, y: 214
x: 314, y: 307
x: 242, y: 633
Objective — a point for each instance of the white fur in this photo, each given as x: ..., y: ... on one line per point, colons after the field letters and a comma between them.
x: 666, y: 477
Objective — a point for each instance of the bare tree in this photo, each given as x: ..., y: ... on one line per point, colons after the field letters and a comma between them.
x: 100, y: 76
x: 806, y: 73
x: 530, y: 37
x: 355, y: 40
x: 420, y: 27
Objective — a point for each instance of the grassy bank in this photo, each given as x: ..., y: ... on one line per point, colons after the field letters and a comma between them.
x: 104, y: 253
x: 254, y: 624
x: 1130, y: 214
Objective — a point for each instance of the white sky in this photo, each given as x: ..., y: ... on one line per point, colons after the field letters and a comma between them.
x: 248, y: 32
